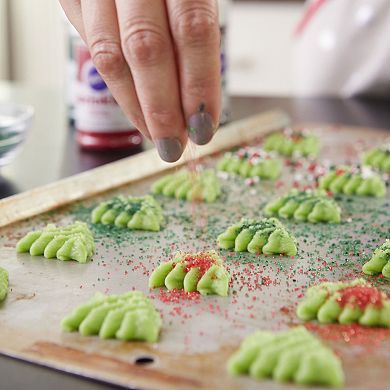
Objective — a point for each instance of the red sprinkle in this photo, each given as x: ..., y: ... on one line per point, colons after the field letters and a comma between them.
x: 202, y: 261
x: 176, y: 296
x: 352, y: 334
x: 285, y: 310
x: 360, y: 296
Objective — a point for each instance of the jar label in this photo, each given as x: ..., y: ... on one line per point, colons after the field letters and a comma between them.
x: 96, y: 109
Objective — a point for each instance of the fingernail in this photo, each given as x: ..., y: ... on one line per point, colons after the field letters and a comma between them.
x: 169, y: 149
x: 201, y: 129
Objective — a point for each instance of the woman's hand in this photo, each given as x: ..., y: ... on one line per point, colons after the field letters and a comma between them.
x: 161, y: 61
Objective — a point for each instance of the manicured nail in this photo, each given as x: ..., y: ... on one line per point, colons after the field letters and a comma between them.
x: 169, y: 149
x: 201, y: 129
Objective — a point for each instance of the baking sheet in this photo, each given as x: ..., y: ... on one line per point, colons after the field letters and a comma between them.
x: 199, y: 334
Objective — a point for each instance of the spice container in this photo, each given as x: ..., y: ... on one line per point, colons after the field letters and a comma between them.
x: 99, y: 121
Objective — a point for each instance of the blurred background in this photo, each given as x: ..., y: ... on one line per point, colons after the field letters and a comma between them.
x: 33, y: 44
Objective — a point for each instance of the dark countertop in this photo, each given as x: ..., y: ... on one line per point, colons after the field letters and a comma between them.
x: 50, y: 153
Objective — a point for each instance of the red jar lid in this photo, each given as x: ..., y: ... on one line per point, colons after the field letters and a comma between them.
x: 109, y: 141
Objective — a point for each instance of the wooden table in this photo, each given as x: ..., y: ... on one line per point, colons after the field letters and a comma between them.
x: 50, y: 154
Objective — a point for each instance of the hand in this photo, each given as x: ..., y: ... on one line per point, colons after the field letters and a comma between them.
x: 161, y: 61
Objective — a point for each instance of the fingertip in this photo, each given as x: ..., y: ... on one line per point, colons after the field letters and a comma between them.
x: 200, y: 126
x: 170, y: 149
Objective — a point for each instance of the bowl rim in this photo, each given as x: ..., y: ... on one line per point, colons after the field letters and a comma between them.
x: 16, y: 138
x: 27, y: 112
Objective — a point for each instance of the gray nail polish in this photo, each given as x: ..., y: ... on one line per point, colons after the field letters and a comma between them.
x: 201, y: 129
x: 169, y: 149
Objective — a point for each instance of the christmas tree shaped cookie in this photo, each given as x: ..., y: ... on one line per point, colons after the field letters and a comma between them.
x: 310, y: 206
x: 267, y: 235
x: 131, y: 316
x: 346, y: 302
x: 135, y: 213
x: 378, y: 158
x: 291, y: 356
x: 380, y: 261
x: 3, y: 284
x: 251, y: 162
x: 293, y: 143
x: 203, y: 272
x: 353, y: 181
x: 73, y: 242
x: 192, y: 186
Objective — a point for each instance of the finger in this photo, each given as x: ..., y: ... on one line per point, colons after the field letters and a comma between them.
x: 195, y: 30
x: 103, y: 39
x: 72, y: 9
x: 149, y: 51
